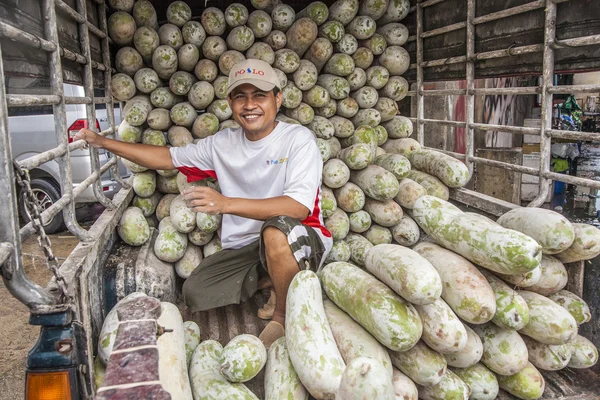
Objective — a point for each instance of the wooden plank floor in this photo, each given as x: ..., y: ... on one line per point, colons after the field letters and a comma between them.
x: 224, y: 323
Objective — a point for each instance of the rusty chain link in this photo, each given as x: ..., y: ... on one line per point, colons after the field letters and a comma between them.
x: 32, y: 206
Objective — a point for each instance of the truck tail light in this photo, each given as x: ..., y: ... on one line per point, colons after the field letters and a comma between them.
x: 77, y: 125
x: 48, y: 386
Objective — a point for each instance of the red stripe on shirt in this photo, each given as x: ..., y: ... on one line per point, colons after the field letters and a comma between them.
x: 196, y: 174
x: 314, y: 220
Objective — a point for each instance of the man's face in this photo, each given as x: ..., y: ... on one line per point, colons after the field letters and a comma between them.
x: 254, y: 109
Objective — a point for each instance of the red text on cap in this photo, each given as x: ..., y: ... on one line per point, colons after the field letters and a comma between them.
x: 250, y: 71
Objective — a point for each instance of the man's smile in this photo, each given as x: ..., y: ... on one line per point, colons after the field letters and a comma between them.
x: 251, y: 117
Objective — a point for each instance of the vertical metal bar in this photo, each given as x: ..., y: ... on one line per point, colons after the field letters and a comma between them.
x: 88, y: 84
x: 11, y: 270
x: 110, y: 105
x: 420, y: 99
x: 60, y: 120
x: 84, y: 302
x: 547, y: 82
x: 470, y: 78
x: 106, y: 61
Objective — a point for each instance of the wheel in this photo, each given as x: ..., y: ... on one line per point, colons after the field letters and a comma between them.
x: 46, y: 194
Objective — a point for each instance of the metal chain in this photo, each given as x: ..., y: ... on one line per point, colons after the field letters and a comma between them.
x: 32, y: 206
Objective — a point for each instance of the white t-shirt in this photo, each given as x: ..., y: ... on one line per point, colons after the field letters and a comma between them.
x: 287, y: 162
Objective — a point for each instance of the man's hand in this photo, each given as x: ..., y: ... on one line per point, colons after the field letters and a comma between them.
x: 91, y: 137
x: 209, y: 201
x: 206, y: 200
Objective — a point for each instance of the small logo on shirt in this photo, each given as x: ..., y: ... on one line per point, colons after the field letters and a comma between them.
x: 275, y: 162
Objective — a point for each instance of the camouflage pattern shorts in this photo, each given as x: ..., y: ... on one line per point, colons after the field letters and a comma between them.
x: 231, y: 276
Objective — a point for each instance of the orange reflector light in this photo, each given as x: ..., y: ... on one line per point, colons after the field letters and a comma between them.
x: 48, y: 386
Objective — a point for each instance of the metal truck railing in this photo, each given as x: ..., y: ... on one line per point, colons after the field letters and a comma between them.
x: 546, y: 89
x: 38, y: 299
x: 75, y: 271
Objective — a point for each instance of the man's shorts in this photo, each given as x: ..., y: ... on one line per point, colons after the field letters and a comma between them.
x: 231, y: 276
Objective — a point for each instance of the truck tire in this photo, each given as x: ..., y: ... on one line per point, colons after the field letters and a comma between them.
x: 46, y: 193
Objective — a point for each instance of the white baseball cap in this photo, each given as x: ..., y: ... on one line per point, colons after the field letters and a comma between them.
x: 255, y: 72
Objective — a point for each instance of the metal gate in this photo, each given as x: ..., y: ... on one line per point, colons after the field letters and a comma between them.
x: 72, y: 283
x: 11, y: 237
x: 546, y: 89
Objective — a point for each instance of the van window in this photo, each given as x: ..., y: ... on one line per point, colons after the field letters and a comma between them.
x: 28, y: 85
x: 29, y: 110
x: 102, y: 106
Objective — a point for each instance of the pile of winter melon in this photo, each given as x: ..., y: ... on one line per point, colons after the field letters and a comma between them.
x: 340, y: 71
x: 477, y: 307
x: 484, y: 298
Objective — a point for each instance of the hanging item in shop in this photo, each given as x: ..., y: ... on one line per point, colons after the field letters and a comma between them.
x: 570, y: 114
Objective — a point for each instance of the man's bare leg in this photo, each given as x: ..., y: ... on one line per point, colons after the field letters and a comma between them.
x: 266, y: 312
x: 282, y: 267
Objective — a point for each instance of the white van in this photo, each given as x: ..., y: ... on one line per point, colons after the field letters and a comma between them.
x: 32, y: 132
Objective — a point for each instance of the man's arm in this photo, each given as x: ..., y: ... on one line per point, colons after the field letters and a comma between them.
x: 146, y: 155
x: 209, y: 201
x: 264, y: 209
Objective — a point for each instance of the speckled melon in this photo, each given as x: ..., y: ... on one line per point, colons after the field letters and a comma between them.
x: 170, y: 245
x: 133, y: 227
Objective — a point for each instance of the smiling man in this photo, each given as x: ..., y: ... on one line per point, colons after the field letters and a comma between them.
x: 269, y: 173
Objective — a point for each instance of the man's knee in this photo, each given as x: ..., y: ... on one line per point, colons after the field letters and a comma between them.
x: 275, y: 241
x: 273, y: 234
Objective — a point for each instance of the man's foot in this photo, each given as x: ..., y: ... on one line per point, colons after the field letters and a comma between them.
x: 266, y: 312
x: 273, y: 331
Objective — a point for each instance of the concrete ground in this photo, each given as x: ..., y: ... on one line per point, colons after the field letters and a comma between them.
x: 16, y: 335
